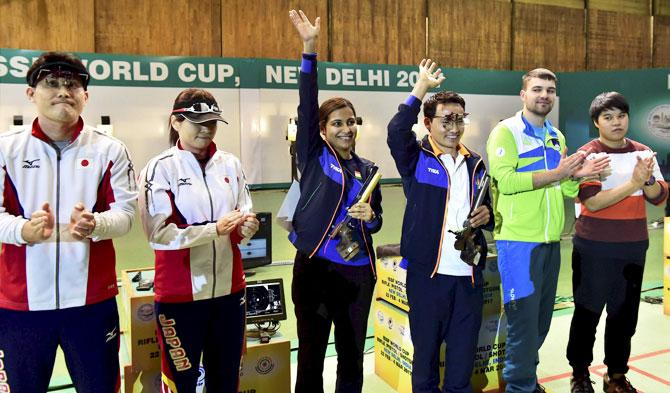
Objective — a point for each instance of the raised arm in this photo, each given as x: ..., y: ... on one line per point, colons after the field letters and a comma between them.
x: 401, y: 139
x: 308, y: 138
x: 308, y: 32
x: 429, y: 78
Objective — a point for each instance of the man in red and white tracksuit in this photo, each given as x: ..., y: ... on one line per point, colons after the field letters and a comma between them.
x: 66, y: 190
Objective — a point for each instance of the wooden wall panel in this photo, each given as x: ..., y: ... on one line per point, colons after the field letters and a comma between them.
x: 661, y: 56
x: 640, y: 7
x: 559, y: 3
x: 461, y: 35
x: 609, y: 49
x: 549, y: 37
x: 47, y: 24
x: 261, y: 29
x: 158, y: 27
x: 662, y: 7
x: 378, y: 31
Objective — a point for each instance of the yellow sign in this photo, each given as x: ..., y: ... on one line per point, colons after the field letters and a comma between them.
x: 391, y: 281
x: 393, y: 344
x: 393, y: 347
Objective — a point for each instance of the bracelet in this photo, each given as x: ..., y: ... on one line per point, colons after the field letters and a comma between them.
x: 651, y: 181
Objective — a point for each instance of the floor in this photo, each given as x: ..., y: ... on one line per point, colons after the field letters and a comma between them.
x: 650, y: 362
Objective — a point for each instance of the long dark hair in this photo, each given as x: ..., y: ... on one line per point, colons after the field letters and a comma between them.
x: 188, y: 95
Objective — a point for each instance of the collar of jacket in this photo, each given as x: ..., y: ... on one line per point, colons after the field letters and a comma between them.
x: 528, y: 128
x: 430, y: 145
x: 39, y: 134
x: 210, y: 150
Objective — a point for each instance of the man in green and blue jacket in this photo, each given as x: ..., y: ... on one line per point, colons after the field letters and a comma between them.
x: 531, y: 175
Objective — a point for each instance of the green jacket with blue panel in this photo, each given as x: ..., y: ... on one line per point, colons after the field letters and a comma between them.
x: 515, y: 153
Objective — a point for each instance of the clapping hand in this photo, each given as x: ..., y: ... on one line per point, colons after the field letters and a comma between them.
x: 40, y: 227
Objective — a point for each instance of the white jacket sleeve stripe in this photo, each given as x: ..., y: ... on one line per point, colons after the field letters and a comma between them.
x: 11, y: 211
x: 117, y: 219
x: 161, y: 221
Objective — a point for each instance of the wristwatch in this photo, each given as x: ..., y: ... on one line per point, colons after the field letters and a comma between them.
x: 651, y: 181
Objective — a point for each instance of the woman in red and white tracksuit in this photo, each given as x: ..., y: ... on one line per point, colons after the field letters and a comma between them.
x: 196, y: 208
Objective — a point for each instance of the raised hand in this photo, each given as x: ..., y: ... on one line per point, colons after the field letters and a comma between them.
x: 428, y: 75
x: 82, y: 222
x: 429, y: 78
x: 308, y: 32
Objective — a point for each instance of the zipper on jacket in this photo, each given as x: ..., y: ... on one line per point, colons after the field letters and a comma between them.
x: 546, y: 195
x: 57, y: 225
x: 339, y: 202
x: 310, y: 197
x: 211, y: 218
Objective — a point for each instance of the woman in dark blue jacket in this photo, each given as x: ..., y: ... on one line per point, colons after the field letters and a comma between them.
x: 327, y: 288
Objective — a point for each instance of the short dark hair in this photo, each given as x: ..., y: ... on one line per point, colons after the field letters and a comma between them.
x: 186, y: 96
x: 442, y: 97
x: 331, y: 105
x: 59, y: 58
x: 608, y: 100
x: 541, y: 73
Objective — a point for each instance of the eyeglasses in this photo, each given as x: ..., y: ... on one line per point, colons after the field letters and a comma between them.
x: 57, y: 79
x: 453, y: 120
x: 199, y: 107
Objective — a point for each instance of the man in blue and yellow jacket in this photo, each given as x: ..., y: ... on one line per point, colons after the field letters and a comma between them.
x: 441, y: 179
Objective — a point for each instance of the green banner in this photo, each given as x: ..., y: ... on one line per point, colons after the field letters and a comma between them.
x: 214, y: 72
x: 647, y: 92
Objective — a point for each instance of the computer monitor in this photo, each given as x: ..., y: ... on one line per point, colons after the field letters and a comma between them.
x: 265, y: 301
x: 257, y: 251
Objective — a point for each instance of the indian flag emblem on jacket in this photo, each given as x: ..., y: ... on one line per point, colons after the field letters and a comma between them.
x: 357, y: 175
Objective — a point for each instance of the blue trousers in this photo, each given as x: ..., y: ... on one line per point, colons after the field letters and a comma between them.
x: 529, y: 274
x: 443, y: 309
x: 88, y: 336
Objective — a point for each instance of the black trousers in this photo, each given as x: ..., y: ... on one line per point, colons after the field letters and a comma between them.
x: 326, y: 293
x: 211, y: 328
x: 598, y: 282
